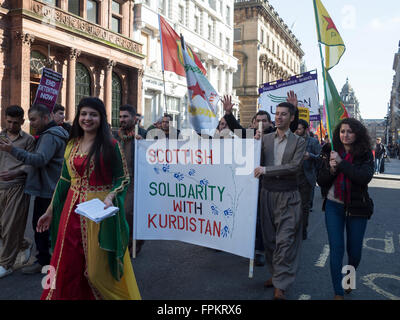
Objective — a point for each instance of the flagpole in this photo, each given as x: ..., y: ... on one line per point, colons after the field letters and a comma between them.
x: 162, y: 63
x: 323, y: 74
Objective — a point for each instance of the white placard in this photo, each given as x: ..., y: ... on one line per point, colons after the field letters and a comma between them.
x: 202, y: 193
x: 304, y: 86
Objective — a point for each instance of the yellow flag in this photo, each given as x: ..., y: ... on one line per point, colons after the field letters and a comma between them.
x: 328, y: 35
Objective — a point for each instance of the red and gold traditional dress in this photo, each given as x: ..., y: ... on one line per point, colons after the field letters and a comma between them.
x: 91, y: 260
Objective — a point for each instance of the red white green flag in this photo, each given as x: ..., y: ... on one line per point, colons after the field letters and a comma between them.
x: 171, y: 50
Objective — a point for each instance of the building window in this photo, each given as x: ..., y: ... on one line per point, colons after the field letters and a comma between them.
x: 236, y: 76
x: 227, y: 45
x: 74, y: 6
x: 227, y: 82
x: 228, y: 15
x: 38, y: 62
x: 220, y: 40
x: 116, y: 24
x: 116, y: 7
x: 53, y: 2
x: 210, y: 32
x: 212, y: 4
x: 92, y: 11
x: 116, y: 99
x: 219, y: 83
x: 262, y: 36
x: 237, y: 34
x: 83, y: 83
x: 173, y: 104
x: 161, y: 6
x: 181, y: 14
x: 116, y: 17
x: 196, y: 24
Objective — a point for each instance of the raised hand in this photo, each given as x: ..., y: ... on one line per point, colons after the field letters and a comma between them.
x: 292, y: 98
x: 227, y: 104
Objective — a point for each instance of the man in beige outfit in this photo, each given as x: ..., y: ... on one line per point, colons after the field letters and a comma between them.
x: 280, y: 203
x: 14, y: 203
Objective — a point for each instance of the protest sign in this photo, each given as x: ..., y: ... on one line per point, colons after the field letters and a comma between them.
x: 304, y: 86
x: 48, y: 89
x: 204, y: 195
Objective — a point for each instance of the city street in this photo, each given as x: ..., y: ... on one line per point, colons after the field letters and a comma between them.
x: 173, y: 270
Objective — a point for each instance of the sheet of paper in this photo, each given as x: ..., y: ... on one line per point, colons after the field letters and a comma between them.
x: 94, y: 210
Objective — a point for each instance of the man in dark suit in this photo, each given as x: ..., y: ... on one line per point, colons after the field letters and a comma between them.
x: 307, y: 177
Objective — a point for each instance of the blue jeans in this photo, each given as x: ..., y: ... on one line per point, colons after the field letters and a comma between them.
x: 336, y: 220
x: 378, y: 163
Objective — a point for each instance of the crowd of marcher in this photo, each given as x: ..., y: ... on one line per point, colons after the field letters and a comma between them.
x: 63, y: 165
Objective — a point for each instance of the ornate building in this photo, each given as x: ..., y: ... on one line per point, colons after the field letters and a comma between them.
x: 394, y: 106
x: 88, y: 41
x: 350, y: 101
x: 208, y: 29
x: 376, y: 129
x: 266, y: 49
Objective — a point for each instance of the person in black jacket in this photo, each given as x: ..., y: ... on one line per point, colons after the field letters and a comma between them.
x: 379, y: 155
x: 344, y: 178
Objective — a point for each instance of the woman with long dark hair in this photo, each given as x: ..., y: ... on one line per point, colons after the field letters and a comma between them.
x: 90, y: 260
x: 344, y: 177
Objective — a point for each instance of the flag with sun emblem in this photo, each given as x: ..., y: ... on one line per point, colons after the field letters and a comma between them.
x: 328, y: 35
x: 203, y: 98
x: 171, y: 50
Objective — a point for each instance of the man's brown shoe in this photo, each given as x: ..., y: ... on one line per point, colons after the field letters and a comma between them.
x: 268, y: 283
x: 279, y: 294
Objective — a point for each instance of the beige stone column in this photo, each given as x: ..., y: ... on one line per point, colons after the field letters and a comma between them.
x: 64, y: 5
x: 20, y: 75
x: 71, y: 75
x: 125, y: 18
x: 108, y: 88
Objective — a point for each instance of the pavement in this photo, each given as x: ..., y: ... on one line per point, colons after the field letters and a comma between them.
x: 172, y: 270
x: 392, y: 170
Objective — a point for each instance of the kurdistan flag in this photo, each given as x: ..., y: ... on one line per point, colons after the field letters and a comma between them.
x: 203, y: 98
x: 328, y: 35
x: 336, y: 110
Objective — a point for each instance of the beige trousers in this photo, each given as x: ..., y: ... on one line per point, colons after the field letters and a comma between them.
x: 281, y: 222
x: 14, y: 204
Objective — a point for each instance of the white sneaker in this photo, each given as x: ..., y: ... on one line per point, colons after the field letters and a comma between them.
x: 26, y: 254
x: 5, y: 272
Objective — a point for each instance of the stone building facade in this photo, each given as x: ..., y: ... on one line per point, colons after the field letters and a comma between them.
x: 266, y: 50
x: 89, y: 42
x: 394, y: 105
x: 350, y: 101
x: 376, y: 129
x: 207, y: 26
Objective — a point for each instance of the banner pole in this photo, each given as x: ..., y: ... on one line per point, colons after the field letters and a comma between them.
x: 323, y: 74
x: 162, y: 64
x: 135, y: 194
x: 251, y: 268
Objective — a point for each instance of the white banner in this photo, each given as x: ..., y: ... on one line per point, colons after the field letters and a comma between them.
x: 200, y: 193
x: 304, y: 86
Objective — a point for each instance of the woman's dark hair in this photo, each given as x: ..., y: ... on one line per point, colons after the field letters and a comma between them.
x: 304, y: 123
x: 361, y: 145
x: 102, y: 145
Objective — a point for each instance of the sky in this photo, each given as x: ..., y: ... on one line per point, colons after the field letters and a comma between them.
x: 371, y: 32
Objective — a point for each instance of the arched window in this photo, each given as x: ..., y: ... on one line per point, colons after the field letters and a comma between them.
x: 38, y: 62
x: 116, y: 99
x: 82, y: 83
